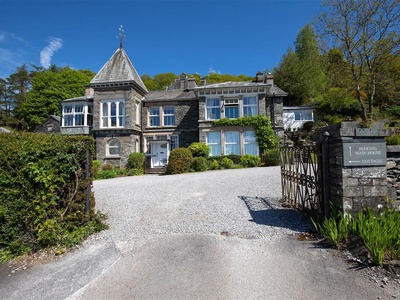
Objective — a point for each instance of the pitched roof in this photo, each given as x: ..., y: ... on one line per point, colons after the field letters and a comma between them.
x: 231, y: 84
x: 276, y: 91
x: 170, y: 95
x: 118, y: 69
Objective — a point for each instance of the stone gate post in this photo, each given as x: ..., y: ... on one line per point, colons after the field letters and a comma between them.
x: 357, y: 166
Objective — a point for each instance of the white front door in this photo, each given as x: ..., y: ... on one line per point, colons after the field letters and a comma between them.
x: 159, y: 154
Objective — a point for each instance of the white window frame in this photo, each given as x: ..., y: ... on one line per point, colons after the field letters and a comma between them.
x: 211, y: 107
x: 86, y: 111
x: 252, y: 142
x: 226, y: 133
x: 119, y: 114
x: 110, y: 147
x: 231, y: 103
x: 169, y: 115
x: 137, y: 113
x: 250, y: 105
x: 152, y: 115
x: 211, y: 144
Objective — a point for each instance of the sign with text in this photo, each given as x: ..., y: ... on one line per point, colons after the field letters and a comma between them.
x: 364, y: 154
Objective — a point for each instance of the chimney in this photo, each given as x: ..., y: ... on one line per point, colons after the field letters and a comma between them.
x: 89, y: 91
x: 259, y: 77
x: 269, y: 79
x: 203, y: 82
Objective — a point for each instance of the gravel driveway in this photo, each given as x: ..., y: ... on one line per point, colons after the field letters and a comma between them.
x: 211, y: 235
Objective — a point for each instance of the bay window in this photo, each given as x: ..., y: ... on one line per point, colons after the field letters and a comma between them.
x: 74, y: 114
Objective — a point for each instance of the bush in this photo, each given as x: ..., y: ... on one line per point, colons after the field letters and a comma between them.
x: 199, y: 149
x: 271, y: 157
x: 107, y: 167
x: 249, y: 161
x: 136, y: 161
x: 226, y: 163
x: 393, y: 140
x: 43, y: 192
x: 180, y: 160
x: 214, y: 164
x: 199, y: 164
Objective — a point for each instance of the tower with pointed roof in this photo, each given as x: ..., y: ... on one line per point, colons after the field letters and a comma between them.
x: 118, y: 92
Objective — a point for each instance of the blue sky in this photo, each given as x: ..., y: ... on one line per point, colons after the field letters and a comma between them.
x: 191, y: 36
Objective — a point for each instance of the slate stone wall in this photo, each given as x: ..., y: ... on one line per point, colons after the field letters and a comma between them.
x: 393, y: 174
x: 352, y: 188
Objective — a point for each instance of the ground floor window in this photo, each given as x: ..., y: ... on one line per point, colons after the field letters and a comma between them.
x: 214, y: 141
x: 113, y: 148
x: 232, y: 142
x: 250, y: 143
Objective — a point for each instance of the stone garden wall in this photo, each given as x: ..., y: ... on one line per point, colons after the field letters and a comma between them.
x: 393, y: 174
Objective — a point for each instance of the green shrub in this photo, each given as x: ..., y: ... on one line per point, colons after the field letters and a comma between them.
x: 271, y: 157
x: 199, y: 164
x: 378, y: 230
x: 134, y: 172
x: 234, y: 158
x: 214, y: 164
x: 43, y: 192
x: 226, y: 163
x: 108, y: 174
x: 96, y: 168
x: 107, y: 167
x: 393, y: 140
x: 179, y: 161
x: 199, y: 149
x: 136, y: 160
x: 249, y: 161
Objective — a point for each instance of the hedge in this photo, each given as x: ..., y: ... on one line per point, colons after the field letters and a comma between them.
x: 43, y: 192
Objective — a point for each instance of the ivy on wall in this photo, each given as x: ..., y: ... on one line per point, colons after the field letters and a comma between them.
x: 264, y: 133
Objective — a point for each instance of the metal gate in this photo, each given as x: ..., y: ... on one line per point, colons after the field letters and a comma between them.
x: 301, y: 171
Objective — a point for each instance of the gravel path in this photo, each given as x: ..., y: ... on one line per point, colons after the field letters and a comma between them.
x: 243, y: 203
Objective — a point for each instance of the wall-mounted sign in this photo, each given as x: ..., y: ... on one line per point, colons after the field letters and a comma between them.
x: 364, y: 154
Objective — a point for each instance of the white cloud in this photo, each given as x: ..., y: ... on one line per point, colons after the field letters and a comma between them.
x: 212, y: 71
x: 47, y: 53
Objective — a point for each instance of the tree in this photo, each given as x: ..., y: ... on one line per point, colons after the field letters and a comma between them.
x: 49, y: 88
x: 301, y: 73
x: 367, y: 33
x: 19, y: 84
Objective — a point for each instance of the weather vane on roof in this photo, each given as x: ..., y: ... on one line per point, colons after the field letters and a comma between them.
x: 121, y: 35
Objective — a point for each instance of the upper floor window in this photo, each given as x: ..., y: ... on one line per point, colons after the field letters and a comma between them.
x: 113, y: 113
x: 161, y: 116
x: 250, y: 106
x: 213, y: 109
x: 169, y: 116
x: 74, y: 115
x: 232, y: 108
x: 154, y: 116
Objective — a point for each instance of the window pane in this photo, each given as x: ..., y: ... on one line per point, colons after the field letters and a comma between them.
x: 105, y: 109
x: 78, y: 108
x: 214, y: 142
x: 251, y: 149
x: 79, y: 120
x: 68, y: 120
x: 213, y: 109
x: 213, y: 102
x: 232, y: 143
x: 68, y: 109
x: 169, y: 120
x: 249, y: 137
x: 232, y: 112
x: 154, y: 111
x: 250, y: 143
x: 114, y: 147
x: 249, y: 101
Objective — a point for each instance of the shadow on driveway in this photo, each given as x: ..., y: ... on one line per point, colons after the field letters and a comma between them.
x: 267, y: 211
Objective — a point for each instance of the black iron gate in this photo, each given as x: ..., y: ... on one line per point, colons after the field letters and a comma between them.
x: 301, y: 171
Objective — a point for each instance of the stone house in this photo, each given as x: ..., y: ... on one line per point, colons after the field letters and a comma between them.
x: 124, y: 117
x: 50, y: 125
